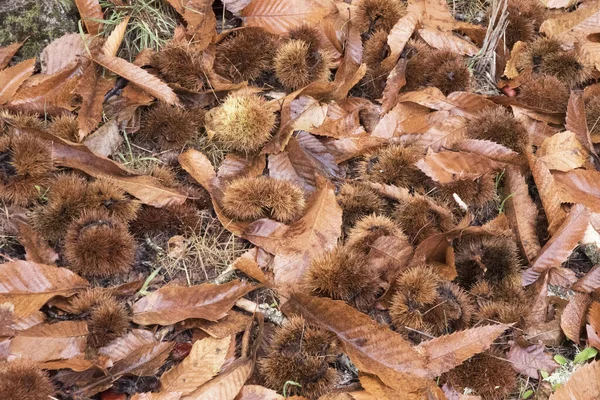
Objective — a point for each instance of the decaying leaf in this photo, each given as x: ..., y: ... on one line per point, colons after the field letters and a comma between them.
x: 562, y: 152
x: 448, y: 166
x: 580, y: 186
x: 572, y: 319
x: 172, y: 304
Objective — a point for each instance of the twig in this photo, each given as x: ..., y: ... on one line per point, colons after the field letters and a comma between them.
x: 270, y: 313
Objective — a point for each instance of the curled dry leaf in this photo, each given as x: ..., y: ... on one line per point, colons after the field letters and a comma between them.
x: 549, y: 193
x: 572, y: 319
x: 580, y: 186
x: 561, y: 244
x: 576, y: 121
x: 7, y: 53
x: 36, y: 248
x: 105, y: 140
x: 144, y: 361
x: 13, y: 77
x: 234, y: 323
x: 122, y: 347
x: 446, y: 352
x: 278, y: 16
x: 448, y: 166
x: 226, y: 385
x: 522, y: 212
x: 294, y: 246
x: 63, y: 51
x: 51, y: 95
x: 138, y: 77
x: 204, y: 361
x: 590, y: 282
x: 584, y: 384
x: 77, y: 156
x: 256, y: 392
x: 172, y: 304
x: 531, y: 359
x: 47, y: 342
x: 448, y: 41
x: 399, y: 36
x: 91, y: 14
x: 562, y: 152
x: 235, y: 166
x: 444, y: 133
x: 200, y: 19
x: 114, y: 40
x: 373, y: 348
x: 91, y: 88
x: 156, y: 396
x: 304, y: 158
x: 395, y: 81
x: 29, y: 285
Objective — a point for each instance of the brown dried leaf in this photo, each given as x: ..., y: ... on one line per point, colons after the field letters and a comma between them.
x: 144, y: 361
x: 305, y: 157
x: 91, y: 87
x: 584, y: 384
x: 278, y: 16
x: 77, y: 156
x: 373, y: 348
x: 113, y: 42
x: 446, y: 352
x: 247, y: 263
x: 573, y: 317
x: 549, y: 193
x: 29, y: 285
x: 576, y: 122
x: 63, y: 51
x: 226, y: 385
x: 561, y: 244
x: 51, y: 94
x: 91, y: 14
x: 562, y: 152
x: 122, y: 347
x: 7, y: 53
x: 294, y: 246
x: 444, y: 133
x: 448, y: 41
x: 449, y: 166
x: 13, y: 77
x: 200, y: 18
x: 590, y: 282
x: 46, y: 342
x: 395, y: 81
x: 234, y: 323
x: 593, y: 319
x: 156, y: 396
x: 236, y: 166
x: 522, y: 212
x: 255, y: 392
x: 580, y: 186
x: 531, y: 359
x: 171, y: 304
x: 139, y: 77
x: 399, y: 36
x: 37, y: 249
x: 105, y: 140
x: 204, y: 361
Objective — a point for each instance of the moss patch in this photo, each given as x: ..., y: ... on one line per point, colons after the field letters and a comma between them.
x: 39, y: 22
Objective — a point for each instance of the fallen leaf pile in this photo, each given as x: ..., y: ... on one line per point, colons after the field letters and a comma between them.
x: 317, y: 199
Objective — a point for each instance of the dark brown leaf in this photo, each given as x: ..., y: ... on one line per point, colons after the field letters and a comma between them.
x: 91, y: 87
x: 172, y: 304
x: 37, y: 249
x: 576, y: 122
